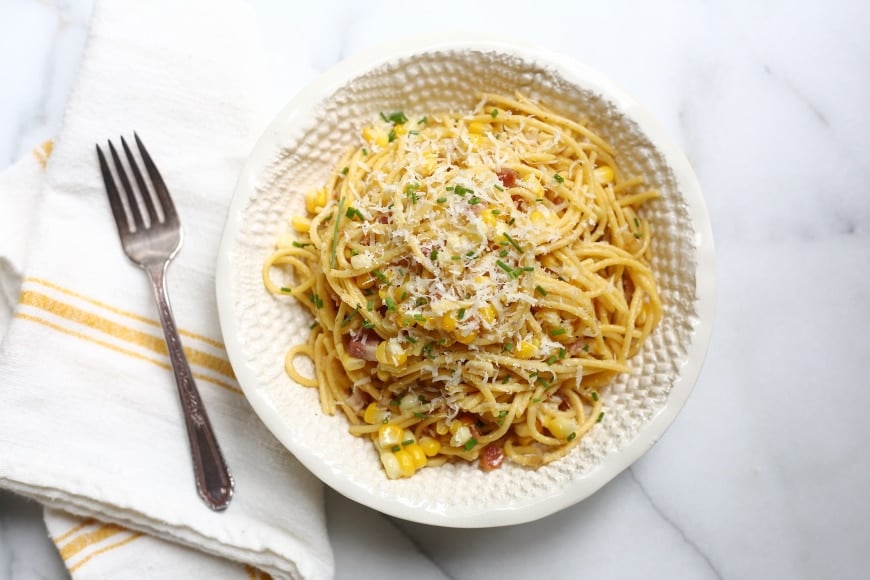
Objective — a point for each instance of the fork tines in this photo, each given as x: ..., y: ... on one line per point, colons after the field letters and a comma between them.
x: 156, y: 202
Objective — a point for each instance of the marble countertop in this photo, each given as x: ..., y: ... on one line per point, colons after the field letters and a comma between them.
x: 765, y: 473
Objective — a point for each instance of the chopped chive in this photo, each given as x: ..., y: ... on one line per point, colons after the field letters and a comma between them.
x: 286, y: 289
x: 380, y: 276
x: 353, y: 212
x: 636, y: 222
x: 390, y: 303
x: 585, y: 348
x: 469, y: 445
x: 370, y: 306
x: 498, y: 187
x: 421, y: 415
x: 637, y: 235
x: 411, y: 339
x: 557, y: 331
x: 433, y: 255
x: 344, y: 170
x: 600, y: 417
x: 469, y: 254
x: 504, y: 381
x: 300, y: 244
x: 441, y: 200
x: 397, y: 448
x: 594, y: 395
x: 455, y: 257
x: 474, y: 201
x: 558, y: 178
x: 365, y: 151
x: 572, y: 436
x: 512, y: 221
x: 367, y: 324
x: 459, y: 190
x: 540, y: 290
x: 421, y: 300
x: 419, y: 318
x: 543, y: 382
x: 391, y: 136
x: 413, y: 132
x: 494, y: 113
x: 505, y: 267
x: 508, y: 346
x: 407, y: 441
x: 316, y: 300
x: 422, y: 120
x: 536, y: 400
x: 449, y: 188
x: 313, y: 325
x: 461, y: 314
x: 350, y: 316
x: 563, y: 353
x: 528, y: 268
x: 495, y: 211
x: 552, y: 359
x: 397, y: 118
x: 503, y: 253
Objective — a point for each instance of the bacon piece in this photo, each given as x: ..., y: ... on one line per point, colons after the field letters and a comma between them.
x: 358, y: 399
x: 491, y: 458
x: 507, y: 176
x: 363, y: 344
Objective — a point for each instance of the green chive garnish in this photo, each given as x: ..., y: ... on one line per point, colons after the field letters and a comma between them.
x: 600, y: 417
x: 469, y: 445
x: 390, y: 303
x: 540, y: 290
x: 557, y: 331
x: 461, y: 314
x: 441, y: 200
x: 572, y: 436
x: 286, y: 289
x: 300, y: 244
x: 594, y: 395
x: 494, y: 113
x: 498, y: 187
x: 558, y: 178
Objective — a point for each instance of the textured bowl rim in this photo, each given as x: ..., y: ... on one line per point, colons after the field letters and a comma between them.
x: 299, y: 108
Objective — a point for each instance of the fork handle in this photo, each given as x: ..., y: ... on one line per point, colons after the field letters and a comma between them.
x: 213, y: 479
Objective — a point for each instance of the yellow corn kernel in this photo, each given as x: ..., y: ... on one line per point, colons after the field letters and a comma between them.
x: 375, y: 136
x: 417, y: 455
x: 488, y: 217
x: 537, y: 217
x: 389, y: 435
x: 461, y: 437
x: 406, y: 463
x: 526, y: 349
x: 560, y: 427
x: 487, y: 314
x: 374, y: 414
x: 604, y: 174
x: 448, y: 322
x: 301, y: 224
x: 430, y: 446
x: 315, y: 200
x: 476, y: 127
x: 400, y: 129
x: 465, y: 337
x: 441, y: 428
x: 391, y: 465
x: 390, y: 352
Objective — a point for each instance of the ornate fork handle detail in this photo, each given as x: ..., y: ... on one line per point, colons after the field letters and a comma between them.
x: 213, y: 479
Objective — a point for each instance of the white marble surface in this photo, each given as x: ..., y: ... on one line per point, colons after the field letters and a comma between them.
x: 766, y: 472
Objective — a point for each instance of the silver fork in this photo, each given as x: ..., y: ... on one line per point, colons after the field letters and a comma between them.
x: 151, y: 240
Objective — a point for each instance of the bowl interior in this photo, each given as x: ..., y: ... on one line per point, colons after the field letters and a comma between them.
x: 297, y: 154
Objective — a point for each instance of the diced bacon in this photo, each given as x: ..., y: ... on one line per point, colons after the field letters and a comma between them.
x: 507, y: 176
x: 491, y: 458
x: 363, y: 344
x: 358, y: 399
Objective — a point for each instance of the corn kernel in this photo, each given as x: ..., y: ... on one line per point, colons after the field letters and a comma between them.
x: 391, y: 465
x: 430, y: 446
x: 417, y: 455
x: 477, y: 127
x: 374, y: 414
x: 537, y: 217
x: 526, y: 349
x: 488, y: 218
x: 315, y: 200
x: 375, y: 136
x: 448, y: 322
x: 389, y: 435
x: 462, y: 435
x: 604, y: 174
x: 301, y: 224
x: 441, y: 428
x: 560, y: 427
x: 465, y: 337
x: 390, y: 352
x: 400, y: 129
x: 487, y: 313
x: 406, y: 463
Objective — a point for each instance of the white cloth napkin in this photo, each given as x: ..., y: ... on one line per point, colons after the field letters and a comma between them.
x: 90, y: 423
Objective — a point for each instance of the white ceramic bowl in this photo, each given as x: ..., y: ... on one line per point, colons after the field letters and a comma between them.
x: 296, y: 154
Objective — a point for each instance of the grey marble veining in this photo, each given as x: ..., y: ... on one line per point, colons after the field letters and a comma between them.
x: 765, y: 473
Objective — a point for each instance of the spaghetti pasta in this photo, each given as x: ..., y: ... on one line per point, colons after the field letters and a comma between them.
x: 475, y: 281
